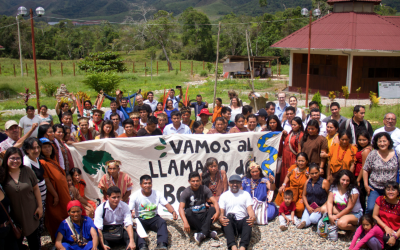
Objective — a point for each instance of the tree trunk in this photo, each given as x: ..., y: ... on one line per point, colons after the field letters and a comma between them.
x: 165, y: 53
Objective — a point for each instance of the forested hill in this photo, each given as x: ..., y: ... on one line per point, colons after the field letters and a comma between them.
x: 116, y: 10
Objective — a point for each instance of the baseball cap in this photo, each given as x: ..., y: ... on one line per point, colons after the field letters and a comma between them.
x: 10, y: 123
x: 235, y: 177
x: 44, y: 140
x: 204, y: 112
x: 262, y: 112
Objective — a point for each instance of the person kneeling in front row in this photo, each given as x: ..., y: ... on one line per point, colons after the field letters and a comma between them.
x: 114, y: 222
x: 193, y: 211
x: 237, y: 215
x: 144, y: 204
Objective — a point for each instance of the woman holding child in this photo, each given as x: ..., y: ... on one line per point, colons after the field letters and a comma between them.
x: 295, y: 180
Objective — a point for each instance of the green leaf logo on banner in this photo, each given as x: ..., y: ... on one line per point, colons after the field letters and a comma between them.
x: 162, y: 141
x: 93, y: 161
x: 159, y: 147
x: 163, y: 155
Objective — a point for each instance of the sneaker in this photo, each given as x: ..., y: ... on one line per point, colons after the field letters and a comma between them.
x: 342, y: 232
x: 213, y: 235
x: 199, y: 237
x: 301, y: 225
x: 283, y: 228
x: 161, y: 246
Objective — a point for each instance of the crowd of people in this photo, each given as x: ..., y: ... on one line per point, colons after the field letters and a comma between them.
x: 331, y: 170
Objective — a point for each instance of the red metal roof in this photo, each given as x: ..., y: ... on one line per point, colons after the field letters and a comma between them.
x: 339, y: 1
x: 393, y: 19
x: 347, y: 31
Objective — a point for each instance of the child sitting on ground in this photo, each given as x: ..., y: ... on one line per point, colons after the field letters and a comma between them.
x: 287, y: 208
x: 369, y: 233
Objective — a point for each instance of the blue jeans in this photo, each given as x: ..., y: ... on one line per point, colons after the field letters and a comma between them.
x: 310, y: 219
x: 373, y: 195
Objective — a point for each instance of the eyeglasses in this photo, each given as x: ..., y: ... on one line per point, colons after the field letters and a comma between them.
x: 15, y: 159
x: 390, y: 119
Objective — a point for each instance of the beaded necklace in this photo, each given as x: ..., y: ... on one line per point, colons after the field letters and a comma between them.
x: 344, y: 152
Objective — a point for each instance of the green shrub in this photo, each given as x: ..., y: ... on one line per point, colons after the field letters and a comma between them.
x: 317, y: 98
x: 102, y: 62
x: 49, y: 88
x: 203, y: 73
x: 106, y: 81
x: 210, y: 67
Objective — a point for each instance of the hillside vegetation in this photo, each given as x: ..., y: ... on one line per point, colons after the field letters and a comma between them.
x: 116, y: 10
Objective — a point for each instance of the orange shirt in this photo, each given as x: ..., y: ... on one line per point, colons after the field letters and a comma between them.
x: 340, y: 158
x: 216, y: 113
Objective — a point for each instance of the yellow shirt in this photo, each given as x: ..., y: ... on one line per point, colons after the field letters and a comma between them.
x: 330, y: 140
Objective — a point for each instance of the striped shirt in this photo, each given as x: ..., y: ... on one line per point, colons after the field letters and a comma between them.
x: 39, y: 171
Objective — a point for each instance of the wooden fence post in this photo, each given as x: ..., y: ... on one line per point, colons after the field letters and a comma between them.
x: 145, y: 69
x: 133, y: 67
x: 180, y: 65
x: 50, y: 68
x: 62, y: 73
x: 26, y: 66
x: 73, y: 65
x: 15, y: 73
x: 157, y: 67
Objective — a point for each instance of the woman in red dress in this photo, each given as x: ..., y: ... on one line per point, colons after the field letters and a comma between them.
x: 291, y: 146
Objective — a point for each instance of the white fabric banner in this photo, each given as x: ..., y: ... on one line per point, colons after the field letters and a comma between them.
x: 170, y: 159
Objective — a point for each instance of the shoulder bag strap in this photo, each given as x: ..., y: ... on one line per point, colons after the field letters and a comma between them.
x: 5, y: 210
x: 104, y: 210
x: 398, y: 168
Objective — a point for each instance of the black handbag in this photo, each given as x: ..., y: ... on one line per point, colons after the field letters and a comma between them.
x: 112, y: 232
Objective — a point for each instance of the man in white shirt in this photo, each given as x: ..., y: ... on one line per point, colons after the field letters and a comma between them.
x: 144, y: 204
x: 26, y: 122
x: 237, y: 215
x: 14, y: 140
x: 316, y: 115
x: 389, y: 122
x: 287, y: 124
x: 114, y: 117
x: 114, y: 215
x: 313, y: 105
x: 177, y: 127
x: 150, y: 101
x: 175, y: 99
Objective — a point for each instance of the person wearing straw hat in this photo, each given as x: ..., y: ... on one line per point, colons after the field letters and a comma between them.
x: 97, y: 119
x: 115, y: 177
x: 205, y: 119
x: 237, y: 214
x: 84, y: 133
x: 78, y: 231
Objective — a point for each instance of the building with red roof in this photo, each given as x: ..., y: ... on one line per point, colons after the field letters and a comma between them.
x: 353, y: 46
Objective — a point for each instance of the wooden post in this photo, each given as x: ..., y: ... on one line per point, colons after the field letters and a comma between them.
x: 62, y: 73
x: 26, y: 66
x: 269, y: 64
x: 50, y: 68
x: 15, y: 73
x: 251, y: 69
x: 180, y: 65
x: 203, y: 66
x: 133, y: 67
x: 280, y: 68
x: 157, y: 67
x: 277, y: 67
x: 191, y: 68
x: 216, y: 66
x: 73, y: 65
x: 145, y: 69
